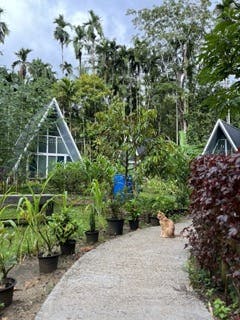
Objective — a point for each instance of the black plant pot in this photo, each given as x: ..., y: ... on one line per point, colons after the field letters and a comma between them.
x: 92, y: 236
x: 154, y: 221
x: 134, y: 224
x: 48, y: 264
x: 115, y: 226
x: 68, y: 247
x: 6, y: 293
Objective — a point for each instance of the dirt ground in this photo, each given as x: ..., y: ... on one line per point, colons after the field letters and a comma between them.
x: 32, y: 288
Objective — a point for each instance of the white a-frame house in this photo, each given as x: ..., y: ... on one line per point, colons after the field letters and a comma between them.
x: 45, y: 141
x: 224, y: 139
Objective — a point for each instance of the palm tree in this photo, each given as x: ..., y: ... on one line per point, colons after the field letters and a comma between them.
x: 38, y: 69
x: 94, y: 29
x: 78, y: 44
x: 22, y: 54
x: 67, y: 68
x: 60, y: 34
x: 65, y: 91
x: 4, y: 31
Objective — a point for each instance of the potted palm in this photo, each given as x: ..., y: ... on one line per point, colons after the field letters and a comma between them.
x: 132, y: 210
x: 92, y: 234
x: 96, y: 208
x: 8, y: 259
x: 37, y: 220
x: 64, y: 227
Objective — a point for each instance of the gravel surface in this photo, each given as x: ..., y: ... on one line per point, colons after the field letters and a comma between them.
x: 135, y: 276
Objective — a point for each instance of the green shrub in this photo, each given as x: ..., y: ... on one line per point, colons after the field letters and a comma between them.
x: 76, y: 177
x: 162, y: 195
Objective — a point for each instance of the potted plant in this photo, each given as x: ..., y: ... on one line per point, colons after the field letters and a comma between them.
x: 96, y: 209
x: 37, y: 221
x: 115, y: 218
x: 64, y: 227
x: 92, y: 234
x: 8, y: 259
x: 132, y: 210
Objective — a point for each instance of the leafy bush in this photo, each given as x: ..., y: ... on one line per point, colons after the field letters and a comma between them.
x: 76, y: 177
x: 165, y: 160
x: 215, y: 207
x: 161, y: 195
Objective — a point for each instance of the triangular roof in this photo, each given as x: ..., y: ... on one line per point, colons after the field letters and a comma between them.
x: 33, y: 128
x: 231, y: 133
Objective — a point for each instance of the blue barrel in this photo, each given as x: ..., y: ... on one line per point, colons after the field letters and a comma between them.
x: 118, y: 184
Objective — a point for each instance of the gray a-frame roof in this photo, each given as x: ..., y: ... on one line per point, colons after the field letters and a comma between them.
x: 222, y: 128
x: 33, y: 128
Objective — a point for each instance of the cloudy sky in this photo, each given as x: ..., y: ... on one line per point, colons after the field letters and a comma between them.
x: 31, y: 25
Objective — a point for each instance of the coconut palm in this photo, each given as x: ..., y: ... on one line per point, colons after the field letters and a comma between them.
x: 60, y: 34
x: 93, y: 30
x: 22, y: 54
x: 78, y: 44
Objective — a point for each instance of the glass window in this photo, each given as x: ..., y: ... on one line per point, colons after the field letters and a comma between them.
x: 51, y: 145
x: 42, y: 166
x: 222, y: 147
x: 60, y: 159
x: 42, y: 144
x: 33, y: 166
x: 69, y: 159
x: 60, y: 146
x: 51, y: 163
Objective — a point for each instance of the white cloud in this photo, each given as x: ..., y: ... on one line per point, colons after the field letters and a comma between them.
x: 31, y: 25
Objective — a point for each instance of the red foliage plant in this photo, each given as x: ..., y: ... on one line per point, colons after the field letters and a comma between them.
x: 215, y: 207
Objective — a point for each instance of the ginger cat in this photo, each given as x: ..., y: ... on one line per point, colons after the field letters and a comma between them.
x: 167, y: 226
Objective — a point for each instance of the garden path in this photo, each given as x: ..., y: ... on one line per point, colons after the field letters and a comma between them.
x: 137, y: 276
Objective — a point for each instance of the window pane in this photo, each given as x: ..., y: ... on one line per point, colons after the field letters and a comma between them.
x: 69, y: 159
x: 42, y: 146
x: 51, y: 163
x: 220, y: 147
x: 42, y: 166
x: 33, y: 166
x: 60, y: 146
x: 60, y: 159
x: 51, y: 145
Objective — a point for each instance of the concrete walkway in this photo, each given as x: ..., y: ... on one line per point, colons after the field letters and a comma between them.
x: 137, y: 276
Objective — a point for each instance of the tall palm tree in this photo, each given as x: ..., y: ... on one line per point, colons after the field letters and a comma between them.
x: 4, y: 31
x: 78, y: 44
x: 22, y: 55
x: 93, y: 30
x: 60, y: 34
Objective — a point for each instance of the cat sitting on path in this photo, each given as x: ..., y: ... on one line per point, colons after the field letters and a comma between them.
x: 167, y: 226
